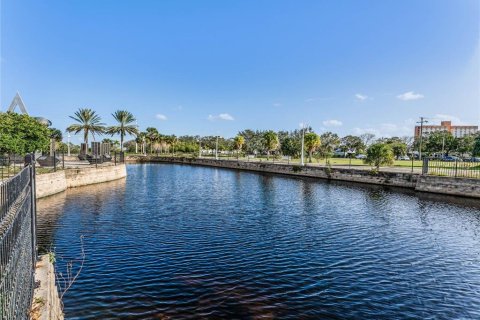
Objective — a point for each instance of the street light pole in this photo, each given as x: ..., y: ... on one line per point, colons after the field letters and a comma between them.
x: 68, y: 145
x: 303, y: 145
x: 422, y: 121
x: 216, y: 149
x: 199, y: 148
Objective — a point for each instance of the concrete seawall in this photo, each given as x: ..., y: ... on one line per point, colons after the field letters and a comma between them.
x: 442, y: 185
x: 46, y: 304
x: 52, y: 183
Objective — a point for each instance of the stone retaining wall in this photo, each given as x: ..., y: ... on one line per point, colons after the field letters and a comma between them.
x: 52, y: 183
x: 442, y: 185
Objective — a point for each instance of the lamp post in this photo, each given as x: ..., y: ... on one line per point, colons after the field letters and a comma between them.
x: 303, y: 145
x: 422, y: 121
x: 216, y: 149
x: 199, y: 148
x: 136, y: 144
x: 68, y: 145
x: 144, y: 149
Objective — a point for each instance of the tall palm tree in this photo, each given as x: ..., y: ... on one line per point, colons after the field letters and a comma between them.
x: 270, y: 140
x: 238, y: 141
x: 89, y: 122
x: 152, y: 136
x: 312, y: 142
x: 126, y: 125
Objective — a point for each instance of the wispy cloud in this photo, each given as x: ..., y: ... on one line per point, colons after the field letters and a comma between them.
x: 332, y: 123
x: 410, y: 95
x: 387, y: 129
x: 361, y: 97
x: 276, y: 104
x: 161, y: 117
x: 221, y: 116
x: 447, y: 117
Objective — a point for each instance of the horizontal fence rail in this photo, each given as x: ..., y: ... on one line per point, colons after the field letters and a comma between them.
x: 456, y: 168
x: 17, y: 245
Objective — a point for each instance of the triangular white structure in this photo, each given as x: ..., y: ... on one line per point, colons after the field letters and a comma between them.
x: 17, y: 101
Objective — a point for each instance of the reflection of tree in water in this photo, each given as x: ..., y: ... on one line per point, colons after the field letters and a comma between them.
x: 235, y: 301
x: 51, y: 209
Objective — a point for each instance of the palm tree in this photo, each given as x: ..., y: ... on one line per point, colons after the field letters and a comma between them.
x: 89, y: 122
x: 312, y: 142
x: 270, y: 141
x: 238, y: 141
x: 126, y: 125
x: 152, y: 136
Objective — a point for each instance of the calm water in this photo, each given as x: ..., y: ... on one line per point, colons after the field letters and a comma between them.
x: 181, y: 242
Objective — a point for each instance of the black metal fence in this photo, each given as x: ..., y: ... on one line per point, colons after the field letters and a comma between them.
x: 453, y: 168
x: 17, y: 243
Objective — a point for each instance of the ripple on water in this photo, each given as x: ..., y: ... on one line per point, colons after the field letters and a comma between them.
x: 180, y: 242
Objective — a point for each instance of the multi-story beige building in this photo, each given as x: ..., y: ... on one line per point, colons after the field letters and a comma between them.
x: 457, y: 131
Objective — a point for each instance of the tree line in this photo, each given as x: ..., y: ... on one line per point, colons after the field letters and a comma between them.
x: 21, y: 134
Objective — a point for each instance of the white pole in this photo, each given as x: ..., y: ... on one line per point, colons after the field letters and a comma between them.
x: 303, y: 144
x: 216, y: 149
x: 68, y: 144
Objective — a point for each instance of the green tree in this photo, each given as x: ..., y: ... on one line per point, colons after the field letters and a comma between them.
x: 89, y: 122
x: 238, y: 142
x: 312, y: 142
x: 466, y: 144
x: 270, y: 142
x: 380, y: 154
x: 330, y: 141
x: 126, y: 125
x: 399, y: 149
x: 352, y: 143
x: 440, y: 141
x: 476, y: 146
x: 20, y: 134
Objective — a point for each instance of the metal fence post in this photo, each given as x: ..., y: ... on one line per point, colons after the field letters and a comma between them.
x: 425, y: 166
x: 456, y: 167
x: 54, y: 161
x: 30, y: 162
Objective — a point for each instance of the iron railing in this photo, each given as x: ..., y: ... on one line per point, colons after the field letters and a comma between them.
x: 455, y: 168
x: 17, y: 244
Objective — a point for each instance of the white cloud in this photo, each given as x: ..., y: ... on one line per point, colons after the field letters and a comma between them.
x: 361, y: 97
x: 160, y: 116
x: 332, y: 123
x: 387, y: 130
x: 446, y: 117
x: 410, y: 95
x: 221, y: 116
x: 276, y: 104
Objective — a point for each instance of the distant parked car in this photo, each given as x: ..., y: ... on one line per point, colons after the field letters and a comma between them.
x: 361, y: 156
x: 404, y: 158
x: 473, y: 159
x: 450, y: 159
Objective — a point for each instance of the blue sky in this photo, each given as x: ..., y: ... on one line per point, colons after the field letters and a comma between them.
x: 217, y: 67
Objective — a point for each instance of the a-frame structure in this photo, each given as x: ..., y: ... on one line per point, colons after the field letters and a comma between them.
x: 17, y: 101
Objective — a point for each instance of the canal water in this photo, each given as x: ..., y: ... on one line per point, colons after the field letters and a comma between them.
x: 186, y: 242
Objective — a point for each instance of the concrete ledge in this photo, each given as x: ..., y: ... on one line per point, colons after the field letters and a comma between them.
x: 46, y: 304
x: 51, y: 183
